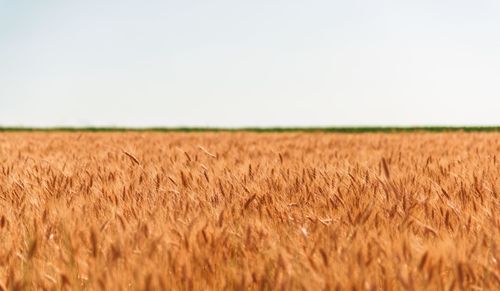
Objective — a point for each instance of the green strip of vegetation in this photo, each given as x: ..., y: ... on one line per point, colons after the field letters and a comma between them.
x: 257, y: 129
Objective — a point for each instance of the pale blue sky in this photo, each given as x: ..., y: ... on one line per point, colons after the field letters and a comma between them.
x: 249, y: 63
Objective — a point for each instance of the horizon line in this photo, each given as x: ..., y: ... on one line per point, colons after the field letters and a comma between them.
x: 339, y: 129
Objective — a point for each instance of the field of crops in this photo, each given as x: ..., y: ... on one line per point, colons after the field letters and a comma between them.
x: 236, y: 211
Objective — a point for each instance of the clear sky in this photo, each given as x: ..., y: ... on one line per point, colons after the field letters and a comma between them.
x: 249, y: 63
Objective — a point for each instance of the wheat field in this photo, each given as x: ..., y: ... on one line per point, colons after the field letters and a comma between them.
x: 249, y: 211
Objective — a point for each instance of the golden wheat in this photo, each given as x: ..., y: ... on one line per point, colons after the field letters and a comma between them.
x: 235, y: 211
